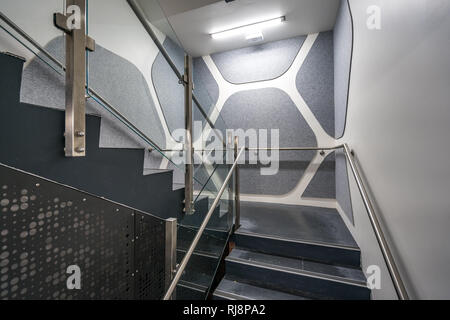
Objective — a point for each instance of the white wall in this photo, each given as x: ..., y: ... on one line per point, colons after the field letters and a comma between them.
x: 398, y: 125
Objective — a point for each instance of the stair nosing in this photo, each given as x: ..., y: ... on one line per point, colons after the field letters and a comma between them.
x: 229, y: 295
x: 308, y: 242
x: 298, y: 272
x: 191, y: 285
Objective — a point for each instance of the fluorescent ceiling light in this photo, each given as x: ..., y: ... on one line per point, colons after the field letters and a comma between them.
x: 247, y: 29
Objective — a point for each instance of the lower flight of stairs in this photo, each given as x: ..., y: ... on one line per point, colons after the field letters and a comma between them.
x: 270, y: 267
x: 201, y: 269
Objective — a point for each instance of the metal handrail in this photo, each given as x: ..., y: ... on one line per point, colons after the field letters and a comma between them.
x: 63, y: 67
x: 194, y: 243
x: 139, y: 14
x: 379, y: 234
x: 387, y: 254
x: 384, y: 246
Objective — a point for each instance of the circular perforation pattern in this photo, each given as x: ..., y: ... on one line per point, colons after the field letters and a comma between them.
x: 46, y: 227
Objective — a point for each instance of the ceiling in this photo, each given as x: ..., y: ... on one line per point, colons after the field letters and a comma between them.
x: 191, y: 22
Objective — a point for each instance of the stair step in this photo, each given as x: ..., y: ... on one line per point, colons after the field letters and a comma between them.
x: 210, y: 243
x: 297, y: 275
x: 229, y: 289
x: 328, y: 253
x: 188, y: 291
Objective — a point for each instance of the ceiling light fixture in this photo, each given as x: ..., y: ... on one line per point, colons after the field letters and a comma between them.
x: 247, y: 29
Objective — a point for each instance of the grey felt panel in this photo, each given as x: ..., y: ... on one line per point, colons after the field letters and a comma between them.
x: 343, y: 42
x: 271, y: 108
x: 170, y: 93
x: 323, y: 184
x: 342, y: 185
x: 206, y: 89
x: 114, y: 78
x: 315, y: 81
x: 258, y: 63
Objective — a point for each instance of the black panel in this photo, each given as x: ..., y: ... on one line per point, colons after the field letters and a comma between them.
x: 149, y: 252
x: 46, y: 227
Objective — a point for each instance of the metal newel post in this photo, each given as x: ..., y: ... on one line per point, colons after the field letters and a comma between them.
x: 237, y: 200
x: 76, y: 44
x: 170, y: 252
x: 189, y: 174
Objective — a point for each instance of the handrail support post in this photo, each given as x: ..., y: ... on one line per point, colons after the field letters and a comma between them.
x: 170, y: 252
x: 237, y: 196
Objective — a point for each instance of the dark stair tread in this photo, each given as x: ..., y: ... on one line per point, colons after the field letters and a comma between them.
x: 309, y: 250
x: 208, y: 243
x: 294, y: 222
x: 302, y: 266
x: 189, y: 291
x: 199, y: 280
x: 229, y: 289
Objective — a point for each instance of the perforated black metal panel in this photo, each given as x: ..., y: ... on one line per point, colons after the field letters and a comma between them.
x: 150, y: 257
x: 46, y: 227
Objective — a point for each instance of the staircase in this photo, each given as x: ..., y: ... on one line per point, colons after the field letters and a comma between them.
x: 32, y: 139
x: 284, y: 252
x: 279, y: 252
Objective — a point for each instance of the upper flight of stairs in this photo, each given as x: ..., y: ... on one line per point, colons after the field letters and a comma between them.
x: 292, y: 252
x: 32, y: 140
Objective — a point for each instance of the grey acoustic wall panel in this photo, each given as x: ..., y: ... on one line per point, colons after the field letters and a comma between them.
x: 258, y: 63
x: 343, y: 43
x: 342, y: 185
x: 315, y: 81
x: 206, y: 89
x: 323, y: 184
x: 271, y: 108
x: 114, y: 78
x: 170, y: 93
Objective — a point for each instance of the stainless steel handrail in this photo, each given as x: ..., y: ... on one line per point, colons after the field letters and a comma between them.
x: 384, y: 246
x: 22, y: 33
x: 140, y: 15
x: 194, y: 243
x: 379, y: 234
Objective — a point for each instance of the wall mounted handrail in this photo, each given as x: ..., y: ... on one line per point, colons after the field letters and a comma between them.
x: 379, y: 234
x: 194, y: 243
x: 386, y: 252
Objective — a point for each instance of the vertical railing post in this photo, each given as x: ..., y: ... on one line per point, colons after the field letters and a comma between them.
x: 237, y: 197
x: 170, y: 252
x: 189, y: 174
x: 74, y: 25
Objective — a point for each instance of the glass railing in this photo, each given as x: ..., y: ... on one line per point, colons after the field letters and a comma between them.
x: 200, y: 271
x: 121, y: 86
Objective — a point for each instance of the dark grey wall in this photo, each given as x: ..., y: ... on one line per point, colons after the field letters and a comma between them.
x: 32, y: 140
